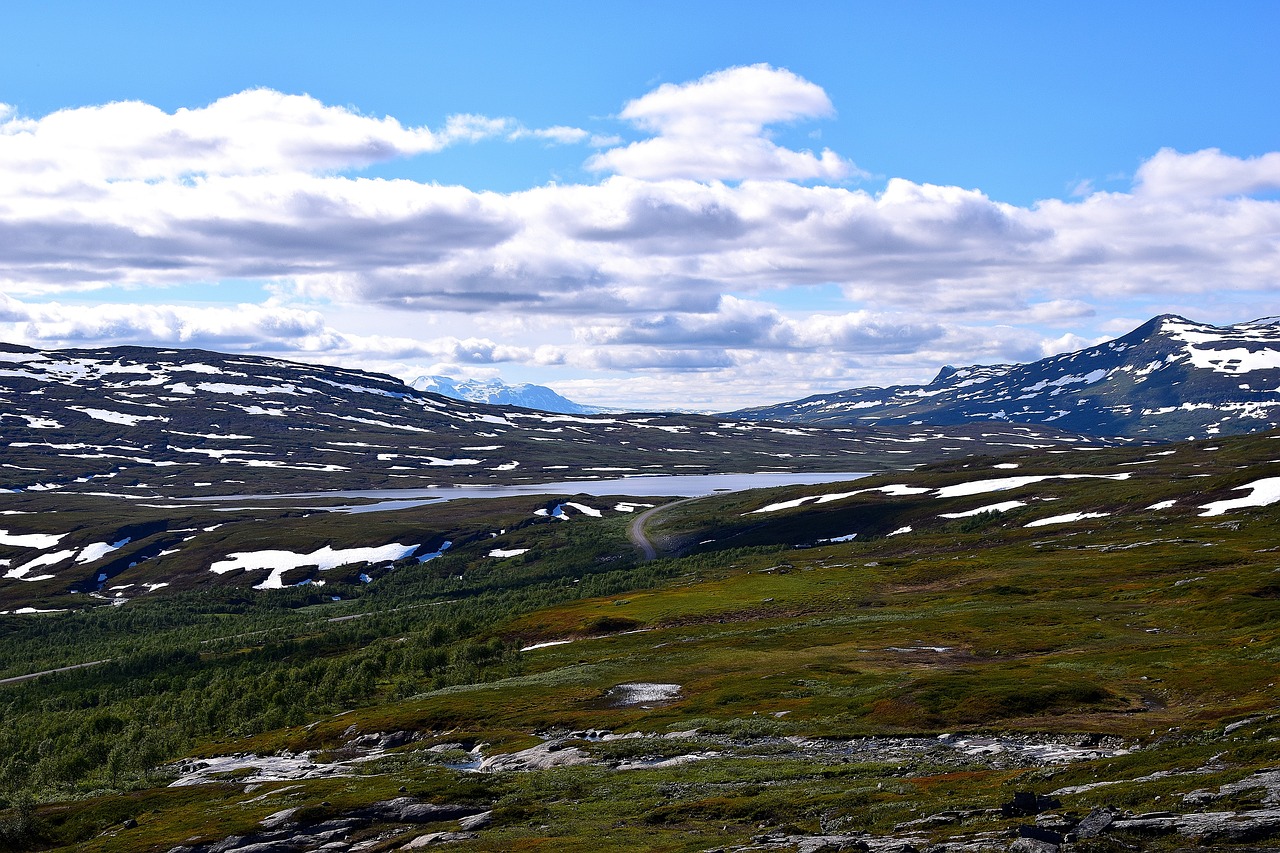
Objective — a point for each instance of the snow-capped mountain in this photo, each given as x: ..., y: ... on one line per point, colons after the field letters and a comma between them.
x: 138, y: 422
x: 498, y: 393
x: 1170, y: 378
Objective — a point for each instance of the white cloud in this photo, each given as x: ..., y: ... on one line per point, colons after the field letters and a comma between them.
x: 1207, y: 174
x: 1068, y: 342
x: 254, y: 132
x: 661, y: 269
x: 242, y: 328
x: 714, y: 129
x: 255, y: 327
x: 558, y: 134
x: 744, y: 325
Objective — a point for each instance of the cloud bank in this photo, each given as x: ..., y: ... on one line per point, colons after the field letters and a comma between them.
x: 682, y: 256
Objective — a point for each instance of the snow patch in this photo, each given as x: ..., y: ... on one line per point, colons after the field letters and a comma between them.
x: 1003, y: 506
x: 280, y: 562
x: 20, y: 572
x: 30, y: 540
x: 1263, y: 492
x: 548, y: 644
x: 116, y: 417
x: 640, y: 693
x: 1064, y: 519
x: 98, y: 550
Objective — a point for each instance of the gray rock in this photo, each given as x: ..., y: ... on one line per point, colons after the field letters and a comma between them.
x: 394, y: 739
x: 541, y: 757
x: 433, y: 838
x: 279, y: 819
x: 476, y: 821
x: 1146, y: 825
x: 339, y: 824
x: 1095, y: 823
x: 1032, y: 845
x: 1040, y: 833
x: 1212, y: 827
x: 939, y: 819
x: 283, y: 846
x: 409, y: 810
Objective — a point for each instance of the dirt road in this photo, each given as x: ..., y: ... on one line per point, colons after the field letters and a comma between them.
x: 635, y: 532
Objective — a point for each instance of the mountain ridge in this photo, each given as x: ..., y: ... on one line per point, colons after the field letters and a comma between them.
x: 495, y: 392
x: 1170, y: 378
x: 193, y: 422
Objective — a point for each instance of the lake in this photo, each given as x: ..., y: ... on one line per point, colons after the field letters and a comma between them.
x: 677, y: 485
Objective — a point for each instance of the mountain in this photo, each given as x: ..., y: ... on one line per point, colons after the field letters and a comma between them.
x: 498, y: 393
x: 1170, y: 378
x: 141, y: 421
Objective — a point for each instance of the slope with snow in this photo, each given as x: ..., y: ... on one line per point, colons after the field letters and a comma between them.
x: 137, y: 422
x: 495, y: 392
x: 1170, y: 378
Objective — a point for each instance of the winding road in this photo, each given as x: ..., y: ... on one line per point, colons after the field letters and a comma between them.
x: 20, y: 678
x: 635, y: 532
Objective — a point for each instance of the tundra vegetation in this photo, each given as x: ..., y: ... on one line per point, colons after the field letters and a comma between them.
x: 889, y: 659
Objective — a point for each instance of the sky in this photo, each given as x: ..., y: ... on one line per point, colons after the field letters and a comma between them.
x: 689, y: 205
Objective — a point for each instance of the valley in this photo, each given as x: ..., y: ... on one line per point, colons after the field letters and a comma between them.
x: 961, y: 638
x: 678, y: 427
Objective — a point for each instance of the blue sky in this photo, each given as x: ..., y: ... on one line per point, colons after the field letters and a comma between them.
x: 1003, y: 181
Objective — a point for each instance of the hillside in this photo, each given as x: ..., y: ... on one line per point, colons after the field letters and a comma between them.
x: 137, y: 421
x: 1053, y: 644
x: 1168, y: 379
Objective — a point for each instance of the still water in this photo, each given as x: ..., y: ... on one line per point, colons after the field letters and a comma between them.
x: 678, y: 485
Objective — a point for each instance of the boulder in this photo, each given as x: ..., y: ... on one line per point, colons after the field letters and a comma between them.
x: 1032, y: 845
x: 1094, y: 823
x: 433, y: 838
x: 279, y: 819
x: 1040, y: 833
x: 1027, y: 803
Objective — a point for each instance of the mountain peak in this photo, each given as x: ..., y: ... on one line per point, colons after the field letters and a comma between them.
x: 1169, y: 378
x: 945, y: 373
x: 495, y: 392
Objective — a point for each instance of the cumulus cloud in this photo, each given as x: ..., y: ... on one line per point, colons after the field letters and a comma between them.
x: 1207, y: 174
x: 243, y: 188
x: 253, y: 327
x: 258, y: 131
x: 714, y: 129
x: 241, y: 328
x: 252, y: 132
x: 746, y: 325
x: 666, y: 265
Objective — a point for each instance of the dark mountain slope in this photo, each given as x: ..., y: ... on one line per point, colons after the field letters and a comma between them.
x: 181, y: 422
x: 1168, y: 379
